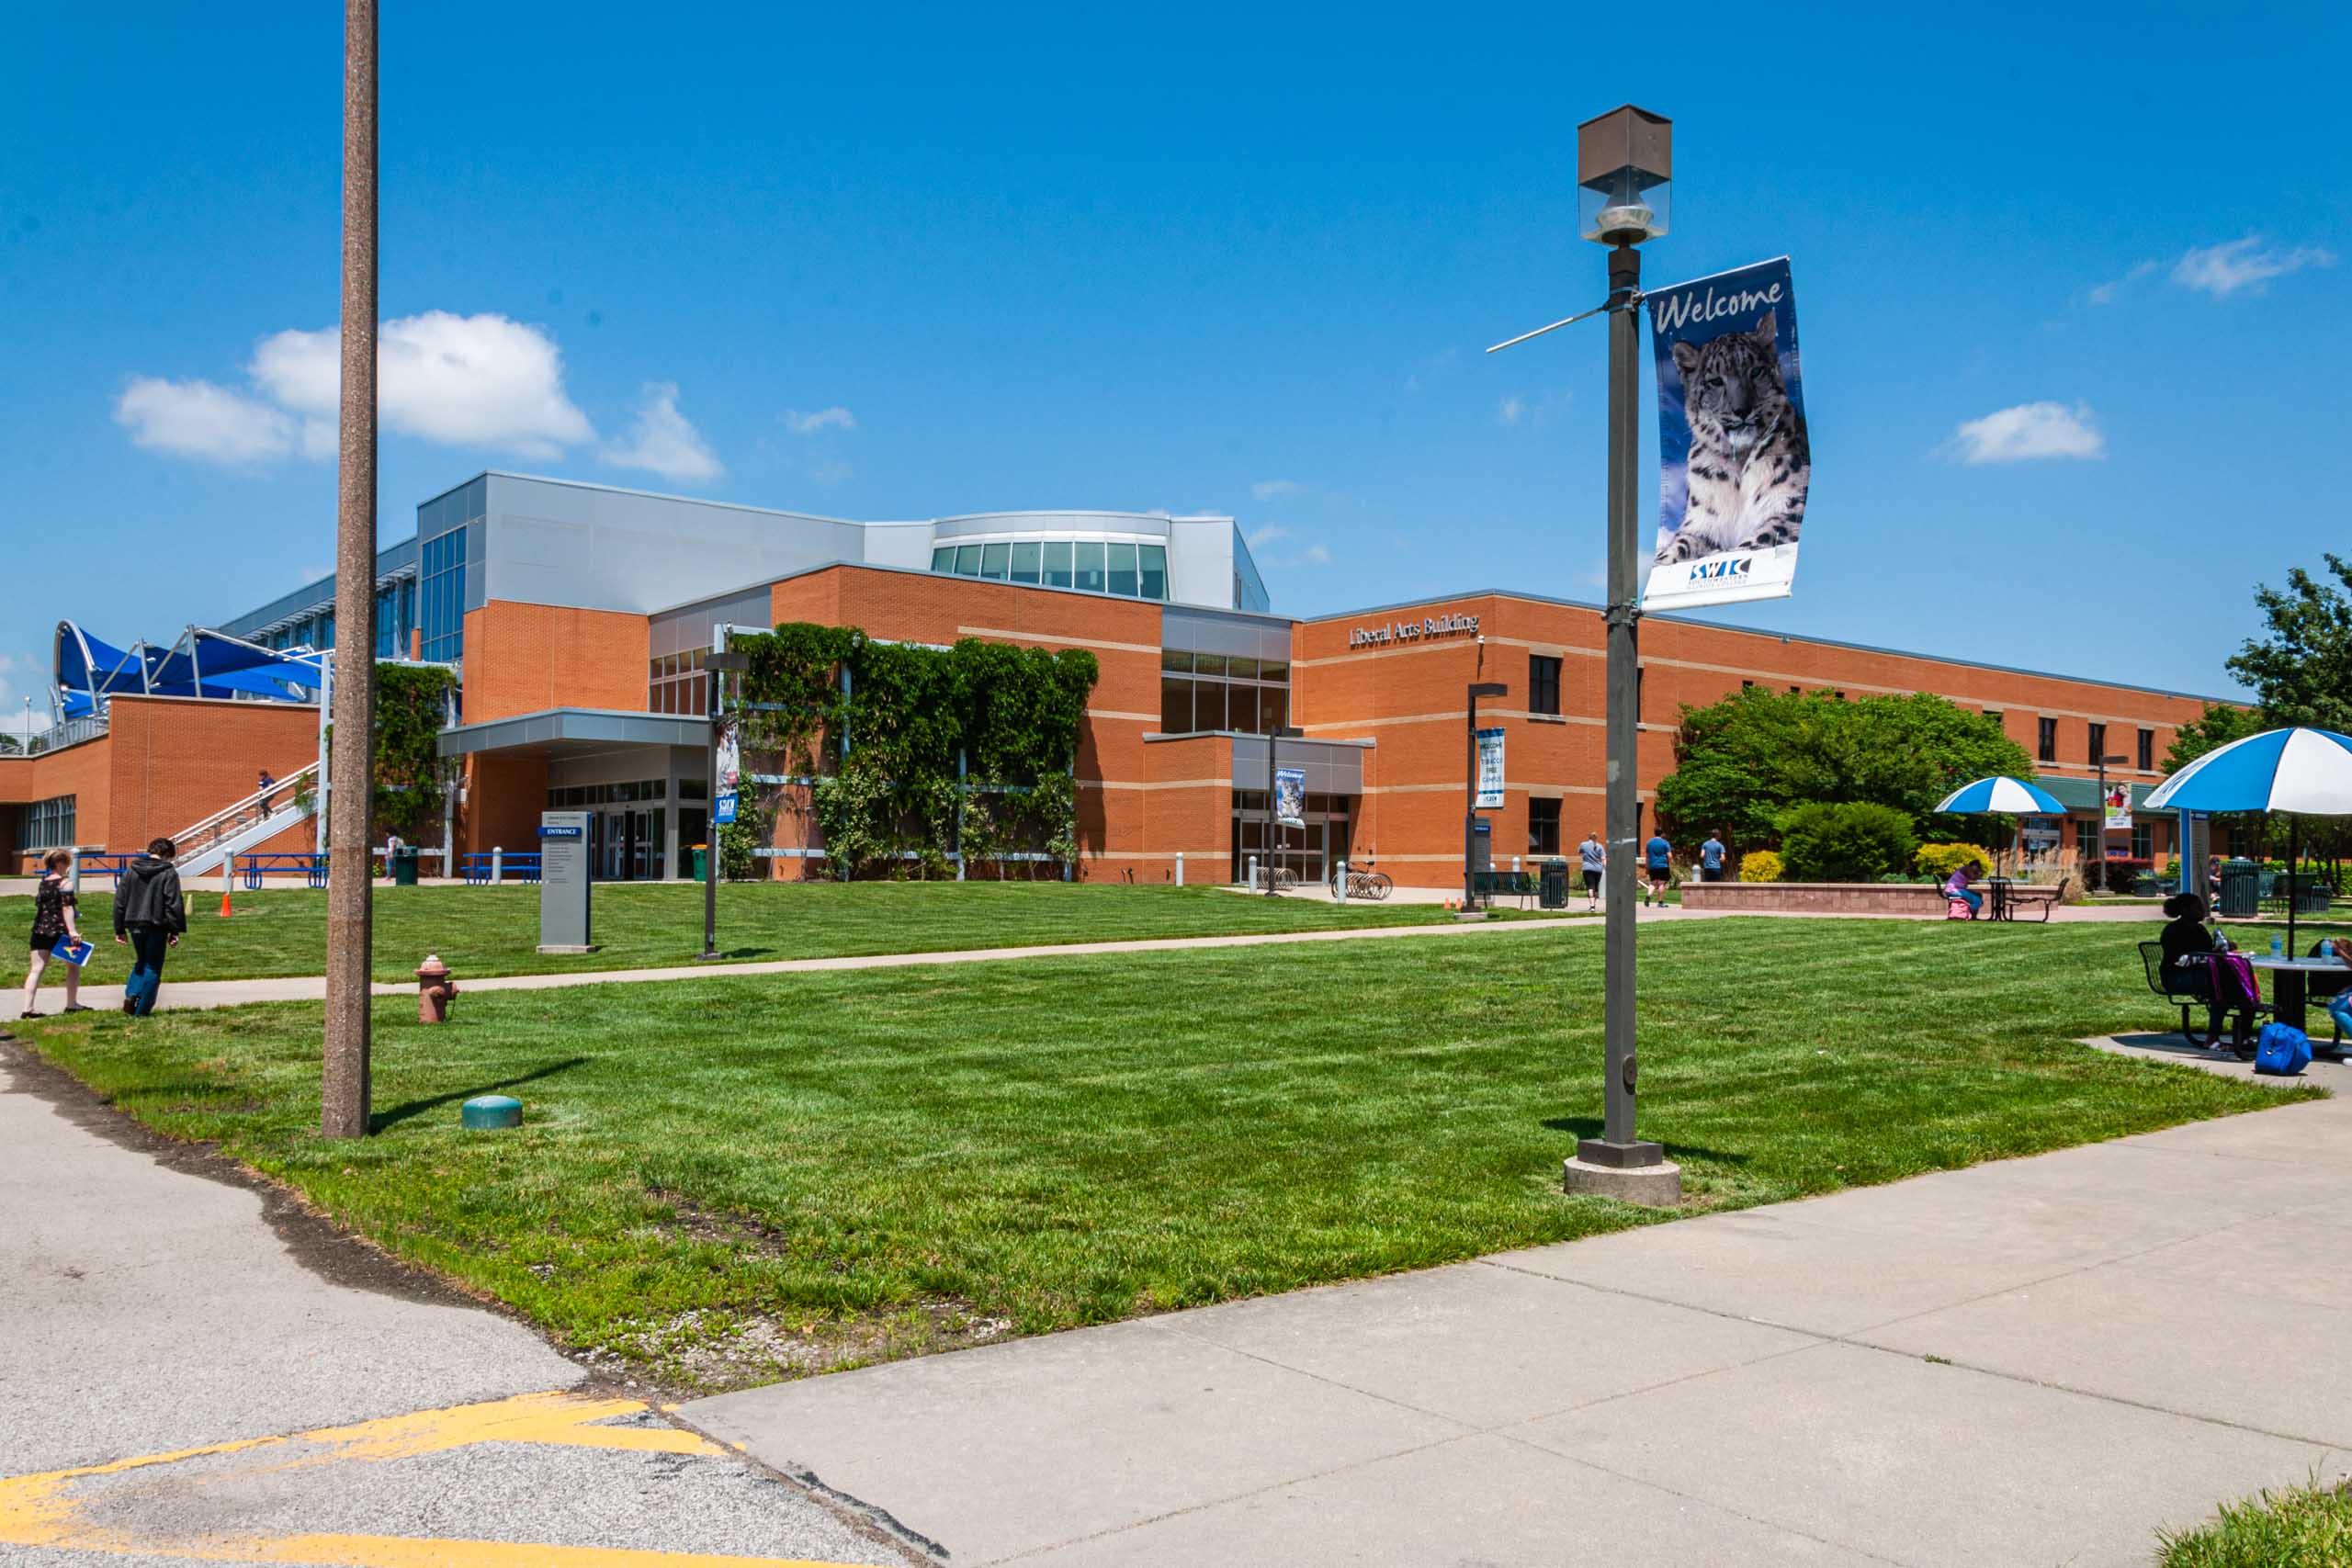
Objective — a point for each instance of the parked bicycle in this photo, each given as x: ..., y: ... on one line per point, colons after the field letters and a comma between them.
x: 1365, y: 883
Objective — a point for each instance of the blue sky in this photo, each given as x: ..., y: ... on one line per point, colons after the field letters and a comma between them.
x: 2074, y: 280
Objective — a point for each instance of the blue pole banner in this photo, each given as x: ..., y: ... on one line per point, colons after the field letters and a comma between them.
x: 1490, y: 771
x: 1290, y: 797
x: 1734, y: 457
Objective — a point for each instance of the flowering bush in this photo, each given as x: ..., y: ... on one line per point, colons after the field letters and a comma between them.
x: 1940, y: 861
x: 1759, y: 865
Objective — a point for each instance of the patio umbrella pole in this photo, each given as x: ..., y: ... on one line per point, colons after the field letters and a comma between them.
x: 2291, y: 822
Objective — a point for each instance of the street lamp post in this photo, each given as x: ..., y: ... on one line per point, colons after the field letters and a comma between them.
x: 1470, y: 801
x: 1273, y: 827
x: 2104, y: 762
x: 720, y: 666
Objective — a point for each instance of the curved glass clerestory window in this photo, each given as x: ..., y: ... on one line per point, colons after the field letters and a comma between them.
x: 1123, y: 569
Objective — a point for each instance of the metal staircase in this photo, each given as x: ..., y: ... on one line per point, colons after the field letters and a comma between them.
x: 238, y: 827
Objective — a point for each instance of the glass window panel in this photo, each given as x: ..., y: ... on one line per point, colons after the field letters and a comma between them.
x: 1241, y: 669
x: 1273, y: 706
x: 1272, y: 669
x: 1208, y: 663
x: 1122, y: 569
x: 1175, y: 706
x: 1154, y: 569
x: 1089, y: 566
x: 944, y: 558
x: 996, y: 561
x: 1242, y: 709
x: 968, y: 561
x: 1177, y: 659
x: 1026, y: 554
x: 1208, y: 705
x: 1058, y: 563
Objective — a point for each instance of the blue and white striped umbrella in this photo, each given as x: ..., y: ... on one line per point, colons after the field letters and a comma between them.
x: 2278, y: 770
x: 2002, y: 793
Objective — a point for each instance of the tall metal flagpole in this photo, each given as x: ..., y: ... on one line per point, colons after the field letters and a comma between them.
x: 344, y: 1085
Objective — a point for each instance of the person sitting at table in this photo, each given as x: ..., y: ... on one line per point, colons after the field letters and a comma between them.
x: 1956, y: 886
x: 2339, y: 1005
x: 2186, y: 935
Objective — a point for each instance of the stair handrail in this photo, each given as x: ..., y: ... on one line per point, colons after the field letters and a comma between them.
x: 188, y: 839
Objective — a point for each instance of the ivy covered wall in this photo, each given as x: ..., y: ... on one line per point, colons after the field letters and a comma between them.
x: 898, y: 753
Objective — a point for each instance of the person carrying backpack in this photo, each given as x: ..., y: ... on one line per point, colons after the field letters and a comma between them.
x: 152, y: 916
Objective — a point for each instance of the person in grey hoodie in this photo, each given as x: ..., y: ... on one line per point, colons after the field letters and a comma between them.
x: 151, y: 914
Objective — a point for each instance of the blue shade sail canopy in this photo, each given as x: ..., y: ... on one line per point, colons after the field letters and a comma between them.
x: 2002, y: 795
x: 2278, y: 770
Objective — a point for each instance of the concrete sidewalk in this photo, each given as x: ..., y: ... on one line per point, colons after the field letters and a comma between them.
x: 2031, y: 1362
x: 155, y: 1300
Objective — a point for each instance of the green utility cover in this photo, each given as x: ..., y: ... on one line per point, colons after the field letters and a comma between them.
x: 493, y: 1110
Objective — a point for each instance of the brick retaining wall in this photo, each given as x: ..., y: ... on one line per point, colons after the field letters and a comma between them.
x: 1923, y: 898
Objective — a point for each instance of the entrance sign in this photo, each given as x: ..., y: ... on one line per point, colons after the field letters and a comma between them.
x: 1290, y: 797
x: 563, y: 882
x: 1490, y: 770
x: 2118, y: 809
x: 728, y: 787
x: 1735, y: 459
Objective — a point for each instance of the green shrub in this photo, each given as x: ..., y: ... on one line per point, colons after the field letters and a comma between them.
x: 1848, y: 841
x: 1940, y: 861
x: 1759, y: 865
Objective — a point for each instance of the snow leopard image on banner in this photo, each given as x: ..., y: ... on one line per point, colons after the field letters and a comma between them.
x: 1734, y: 458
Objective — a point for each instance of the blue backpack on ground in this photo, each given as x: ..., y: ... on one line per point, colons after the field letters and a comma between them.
x: 2283, y: 1049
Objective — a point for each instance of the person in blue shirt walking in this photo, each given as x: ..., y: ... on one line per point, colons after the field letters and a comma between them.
x: 1656, y: 858
x: 1711, y: 858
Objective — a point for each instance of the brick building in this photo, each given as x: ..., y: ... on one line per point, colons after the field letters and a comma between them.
x: 578, y: 616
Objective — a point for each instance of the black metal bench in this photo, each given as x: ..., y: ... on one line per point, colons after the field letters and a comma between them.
x: 2191, y: 989
x: 1489, y: 886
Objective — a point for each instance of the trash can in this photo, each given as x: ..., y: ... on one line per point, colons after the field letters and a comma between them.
x: 1555, y: 885
x: 2241, y: 888
x: 404, y: 867
x: 702, y: 862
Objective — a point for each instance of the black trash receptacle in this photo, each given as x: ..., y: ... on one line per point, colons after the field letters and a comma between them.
x: 2241, y: 888
x: 1555, y: 885
x: 404, y: 867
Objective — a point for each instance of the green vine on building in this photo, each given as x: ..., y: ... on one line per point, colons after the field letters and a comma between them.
x: 412, y: 778
x: 899, y: 755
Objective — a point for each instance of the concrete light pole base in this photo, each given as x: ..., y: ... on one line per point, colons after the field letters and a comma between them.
x: 1657, y: 1185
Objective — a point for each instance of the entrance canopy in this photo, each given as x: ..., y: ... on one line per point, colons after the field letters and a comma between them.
x: 202, y: 664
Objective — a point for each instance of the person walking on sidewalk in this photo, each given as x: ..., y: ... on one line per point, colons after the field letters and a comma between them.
x: 1656, y: 858
x: 1711, y: 858
x: 1594, y: 857
x: 151, y: 914
x: 53, y: 918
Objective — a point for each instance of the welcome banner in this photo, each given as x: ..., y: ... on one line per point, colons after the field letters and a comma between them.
x: 1735, y: 459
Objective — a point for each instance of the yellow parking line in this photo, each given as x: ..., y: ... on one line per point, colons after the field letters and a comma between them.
x: 36, y: 1511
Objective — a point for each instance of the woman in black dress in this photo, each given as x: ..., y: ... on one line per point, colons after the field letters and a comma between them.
x: 53, y: 918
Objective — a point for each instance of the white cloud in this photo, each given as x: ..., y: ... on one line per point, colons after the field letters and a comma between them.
x: 198, y: 419
x: 1510, y: 410
x: 665, y: 441
x: 1274, y: 490
x: 2236, y: 265
x: 1260, y: 537
x: 483, y: 380
x: 834, y: 418
x: 2029, y: 431
x: 1318, y: 555
x: 2105, y: 293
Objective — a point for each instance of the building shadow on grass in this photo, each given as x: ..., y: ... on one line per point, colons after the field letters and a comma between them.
x: 403, y: 1111
x: 1590, y: 1127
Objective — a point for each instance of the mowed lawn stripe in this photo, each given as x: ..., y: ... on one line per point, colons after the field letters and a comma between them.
x: 725, y: 1181
x: 495, y: 931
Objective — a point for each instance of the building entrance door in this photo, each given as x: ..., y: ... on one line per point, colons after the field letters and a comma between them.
x: 1307, y: 853
x: 628, y: 844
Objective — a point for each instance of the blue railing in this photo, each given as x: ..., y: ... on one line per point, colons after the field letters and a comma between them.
x: 512, y: 866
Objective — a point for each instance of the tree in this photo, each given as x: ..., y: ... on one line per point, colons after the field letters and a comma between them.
x: 1742, y: 762
x: 2219, y: 723
x: 2302, y: 673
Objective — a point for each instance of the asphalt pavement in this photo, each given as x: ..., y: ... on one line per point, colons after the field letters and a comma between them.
x: 198, y: 1368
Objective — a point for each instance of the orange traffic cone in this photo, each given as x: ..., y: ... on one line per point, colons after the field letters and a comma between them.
x: 225, y: 910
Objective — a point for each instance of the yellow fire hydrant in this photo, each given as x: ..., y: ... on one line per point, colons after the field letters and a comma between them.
x: 435, y: 989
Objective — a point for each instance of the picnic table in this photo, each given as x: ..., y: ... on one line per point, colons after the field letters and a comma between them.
x: 2290, y: 992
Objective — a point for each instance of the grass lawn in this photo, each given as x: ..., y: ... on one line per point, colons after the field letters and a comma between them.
x: 495, y: 931
x: 2305, y: 1527
x: 729, y: 1180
